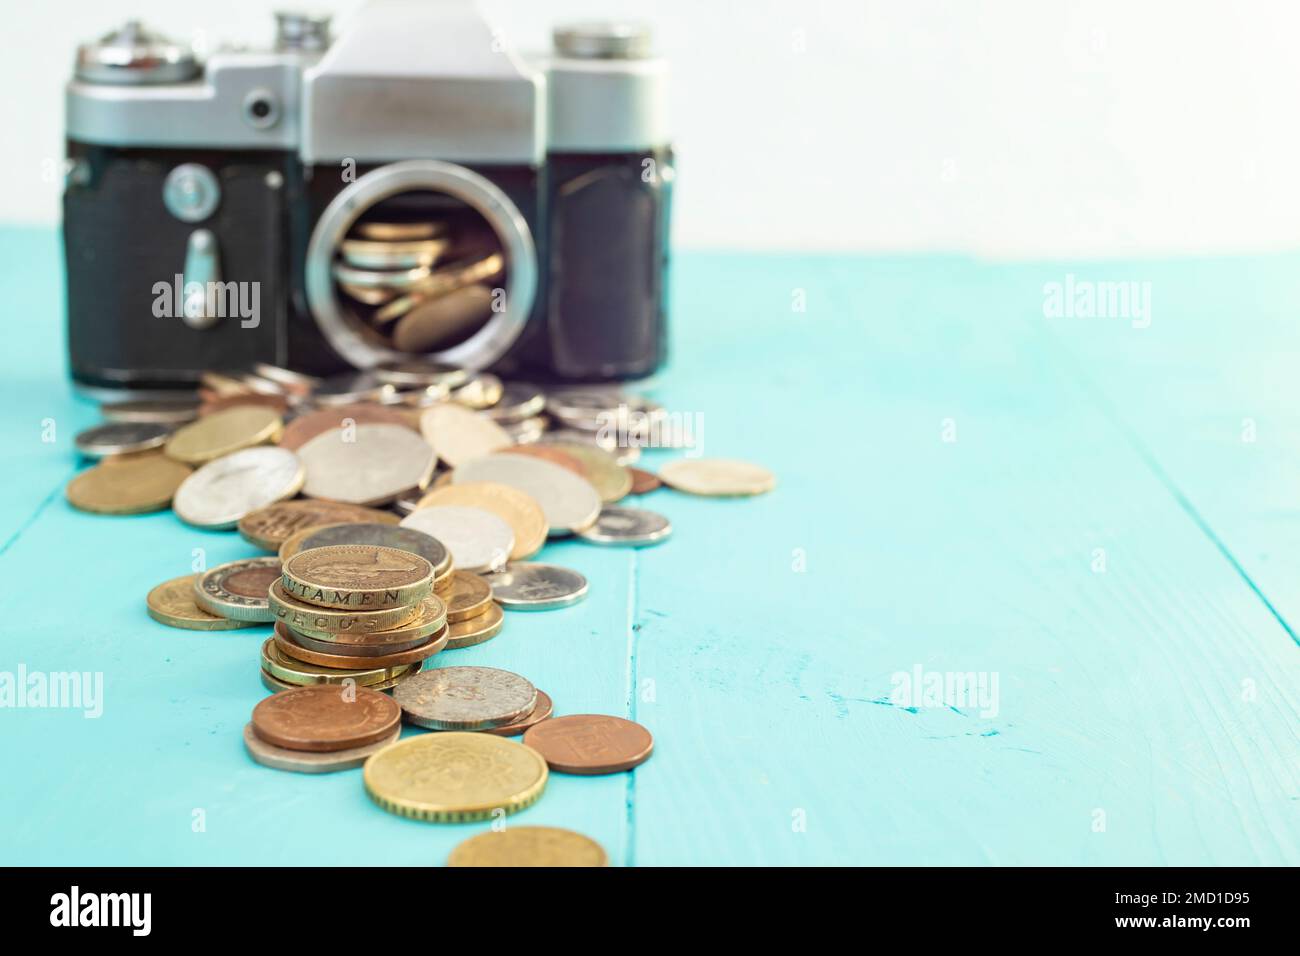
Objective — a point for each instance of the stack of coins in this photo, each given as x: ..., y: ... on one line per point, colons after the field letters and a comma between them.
x: 353, y: 612
x: 420, y: 286
x: 321, y: 729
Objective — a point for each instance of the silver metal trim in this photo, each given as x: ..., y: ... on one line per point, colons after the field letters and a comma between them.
x: 191, y: 192
x: 489, y: 343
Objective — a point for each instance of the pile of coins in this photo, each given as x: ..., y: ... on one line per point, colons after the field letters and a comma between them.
x: 354, y: 612
x: 419, y: 286
x: 400, y: 512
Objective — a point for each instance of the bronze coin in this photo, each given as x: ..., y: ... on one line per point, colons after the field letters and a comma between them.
x: 556, y: 456
x: 542, y: 710
x: 272, y: 526
x: 306, y: 427
x: 467, y: 596
x: 643, y: 481
x: 285, y: 641
x: 590, y: 743
x: 252, y: 582
x: 325, y: 718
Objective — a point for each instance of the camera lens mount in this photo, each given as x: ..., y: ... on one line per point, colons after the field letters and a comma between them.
x: 490, y: 342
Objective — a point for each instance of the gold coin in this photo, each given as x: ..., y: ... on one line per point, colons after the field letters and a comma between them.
x: 477, y: 629
x: 224, y: 432
x: 455, y: 777
x: 325, y: 623
x: 468, y: 596
x: 529, y: 846
x: 172, y: 603
x: 357, y: 577
x: 611, y: 480
x: 516, y: 508
x: 142, y: 484
x: 717, y: 477
x: 292, y: 671
x: 276, y: 686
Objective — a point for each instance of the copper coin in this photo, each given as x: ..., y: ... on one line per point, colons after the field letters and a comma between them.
x: 272, y: 526
x: 643, y: 481
x: 467, y: 596
x: 306, y: 427
x: 590, y: 743
x: 556, y: 456
x: 219, y: 403
x: 285, y: 641
x: 542, y: 710
x: 323, y: 718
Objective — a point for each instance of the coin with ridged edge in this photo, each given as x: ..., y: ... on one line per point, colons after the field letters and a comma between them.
x: 172, y: 603
x: 326, y: 622
x: 465, y: 698
x: 455, y: 777
x: 238, y: 589
x: 528, y: 847
x: 325, y: 718
x: 357, y: 577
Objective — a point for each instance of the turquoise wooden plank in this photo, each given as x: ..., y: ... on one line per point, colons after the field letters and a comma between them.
x: 768, y: 688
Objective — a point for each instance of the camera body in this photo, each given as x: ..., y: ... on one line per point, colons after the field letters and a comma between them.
x: 206, y: 203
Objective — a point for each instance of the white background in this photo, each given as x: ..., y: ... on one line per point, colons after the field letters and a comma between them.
x: 1026, y: 128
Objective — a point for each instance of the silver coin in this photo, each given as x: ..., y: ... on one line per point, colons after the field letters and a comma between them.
x: 163, y: 412
x: 399, y: 280
x: 518, y: 403
x: 238, y: 590
x: 305, y: 761
x: 568, y: 501
x: 478, y: 540
x: 121, y: 438
x: 525, y: 586
x: 413, y: 540
x: 391, y: 254
x: 632, y: 526
x: 465, y: 698
x: 352, y: 387
x: 228, y: 488
x: 623, y: 454
x: 482, y: 391
x: 593, y: 409
x: 365, y: 464
x: 416, y: 374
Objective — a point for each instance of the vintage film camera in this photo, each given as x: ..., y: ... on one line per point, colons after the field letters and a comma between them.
x: 410, y: 190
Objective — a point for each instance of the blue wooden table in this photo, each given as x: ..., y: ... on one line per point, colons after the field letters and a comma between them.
x: 1095, y: 519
